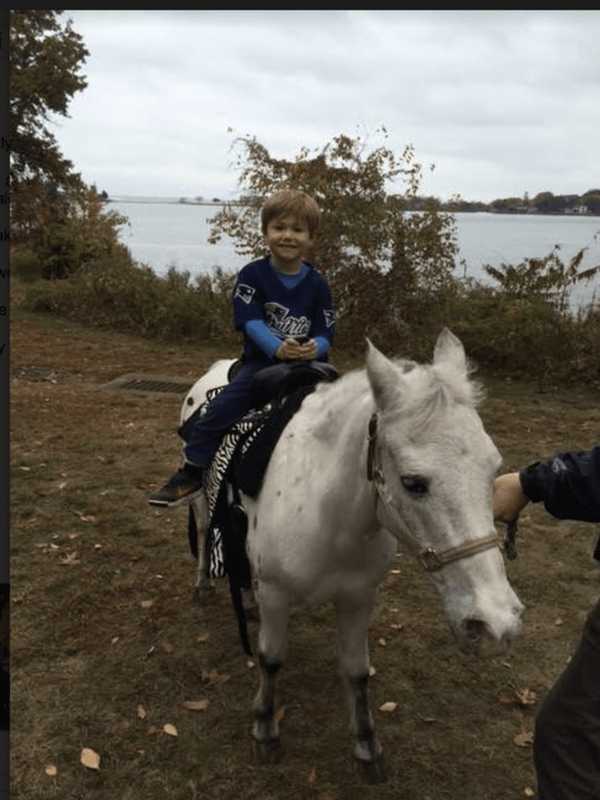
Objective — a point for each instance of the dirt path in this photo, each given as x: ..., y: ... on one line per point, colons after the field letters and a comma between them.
x: 107, y: 645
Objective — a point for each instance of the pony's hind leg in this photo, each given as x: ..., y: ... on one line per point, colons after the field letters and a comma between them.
x: 197, y: 523
x: 353, y: 653
x: 272, y: 647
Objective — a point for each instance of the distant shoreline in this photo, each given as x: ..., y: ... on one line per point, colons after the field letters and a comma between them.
x: 172, y: 202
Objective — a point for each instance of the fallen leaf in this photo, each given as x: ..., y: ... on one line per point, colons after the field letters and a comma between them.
x: 382, y: 642
x: 523, y: 739
x: 529, y: 792
x: 312, y: 776
x: 70, y: 559
x: 213, y: 677
x: 387, y: 707
x: 427, y: 719
x: 558, y: 621
x: 88, y: 518
x: 51, y: 771
x: 26, y: 469
x: 279, y: 714
x: 147, y: 603
x: 250, y: 664
x: 97, y: 547
x: 372, y: 671
x: 526, y: 697
x: 170, y: 729
x: 397, y: 626
x: 141, y: 712
x: 195, y: 705
x: 204, y: 637
x: 114, y: 640
x: 90, y: 759
x: 62, y: 485
x: 74, y: 535
x: 395, y: 571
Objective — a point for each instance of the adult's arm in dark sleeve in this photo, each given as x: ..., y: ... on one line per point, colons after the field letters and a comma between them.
x: 568, y: 485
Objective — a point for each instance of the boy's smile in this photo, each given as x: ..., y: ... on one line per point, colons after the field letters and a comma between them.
x: 288, y: 239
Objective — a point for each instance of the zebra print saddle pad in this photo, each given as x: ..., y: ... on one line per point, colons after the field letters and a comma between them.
x: 220, y: 491
x: 239, y: 465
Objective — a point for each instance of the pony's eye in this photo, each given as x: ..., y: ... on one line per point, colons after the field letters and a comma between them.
x: 414, y: 484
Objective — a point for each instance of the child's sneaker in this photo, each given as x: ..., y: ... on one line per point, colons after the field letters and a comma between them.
x: 181, y: 487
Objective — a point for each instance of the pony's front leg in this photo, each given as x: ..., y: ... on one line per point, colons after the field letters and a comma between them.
x: 272, y: 646
x: 353, y: 615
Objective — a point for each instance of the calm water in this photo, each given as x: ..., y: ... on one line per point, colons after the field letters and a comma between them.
x: 162, y: 235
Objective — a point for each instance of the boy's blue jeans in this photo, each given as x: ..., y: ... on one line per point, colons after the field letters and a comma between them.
x: 227, y: 407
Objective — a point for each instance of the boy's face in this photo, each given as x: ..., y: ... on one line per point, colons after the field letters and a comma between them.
x: 288, y: 239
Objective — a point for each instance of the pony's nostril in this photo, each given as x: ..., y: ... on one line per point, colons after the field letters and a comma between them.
x: 474, y: 629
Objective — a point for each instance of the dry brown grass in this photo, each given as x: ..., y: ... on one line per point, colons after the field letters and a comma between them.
x: 87, y: 552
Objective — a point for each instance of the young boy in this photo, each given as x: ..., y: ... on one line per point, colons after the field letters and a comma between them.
x: 284, y: 309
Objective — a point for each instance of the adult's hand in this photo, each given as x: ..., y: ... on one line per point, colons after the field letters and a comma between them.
x: 509, y: 498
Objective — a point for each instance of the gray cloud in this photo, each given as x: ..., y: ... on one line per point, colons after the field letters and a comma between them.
x: 502, y: 102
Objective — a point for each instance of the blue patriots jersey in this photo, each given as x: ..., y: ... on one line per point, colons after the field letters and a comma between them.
x: 303, y: 310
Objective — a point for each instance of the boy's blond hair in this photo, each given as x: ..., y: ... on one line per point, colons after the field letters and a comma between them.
x: 294, y: 203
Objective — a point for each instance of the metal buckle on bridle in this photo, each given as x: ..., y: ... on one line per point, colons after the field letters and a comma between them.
x: 430, y: 560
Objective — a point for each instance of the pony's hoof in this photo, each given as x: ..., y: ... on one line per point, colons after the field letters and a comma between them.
x: 268, y: 751
x: 373, y: 772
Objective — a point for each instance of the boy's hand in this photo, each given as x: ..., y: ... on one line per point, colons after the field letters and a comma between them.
x: 509, y: 498
x: 290, y: 350
x: 308, y: 350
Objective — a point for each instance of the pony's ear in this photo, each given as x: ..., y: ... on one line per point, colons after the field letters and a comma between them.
x: 449, y: 349
x: 383, y: 377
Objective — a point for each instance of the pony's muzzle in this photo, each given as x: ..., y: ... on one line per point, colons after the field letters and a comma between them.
x: 478, y: 636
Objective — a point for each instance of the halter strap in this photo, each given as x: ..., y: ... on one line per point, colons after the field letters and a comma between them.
x: 431, y: 560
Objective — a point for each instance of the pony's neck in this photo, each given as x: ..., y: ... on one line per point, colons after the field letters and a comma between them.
x: 339, y: 415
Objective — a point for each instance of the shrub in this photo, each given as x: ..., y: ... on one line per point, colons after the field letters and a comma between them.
x: 120, y: 294
x: 26, y: 265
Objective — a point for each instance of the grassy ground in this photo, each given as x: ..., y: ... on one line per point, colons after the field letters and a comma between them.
x: 107, y: 644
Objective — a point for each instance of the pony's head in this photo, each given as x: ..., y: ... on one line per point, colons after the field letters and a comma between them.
x: 434, y: 467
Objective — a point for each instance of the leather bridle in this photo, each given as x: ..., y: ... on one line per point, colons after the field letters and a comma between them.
x: 431, y: 560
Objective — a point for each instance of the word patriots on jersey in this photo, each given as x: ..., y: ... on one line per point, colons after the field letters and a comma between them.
x: 281, y: 322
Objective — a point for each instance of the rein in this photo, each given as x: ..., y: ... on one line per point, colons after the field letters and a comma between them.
x: 431, y: 560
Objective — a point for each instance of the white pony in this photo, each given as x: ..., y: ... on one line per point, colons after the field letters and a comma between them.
x: 392, y: 454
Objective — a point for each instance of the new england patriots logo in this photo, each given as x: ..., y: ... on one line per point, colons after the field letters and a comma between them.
x: 244, y: 292
x: 329, y: 315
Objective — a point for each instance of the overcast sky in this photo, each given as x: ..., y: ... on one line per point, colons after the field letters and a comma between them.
x: 502, y: 102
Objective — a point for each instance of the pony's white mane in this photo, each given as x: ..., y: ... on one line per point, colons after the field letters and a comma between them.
x: 426, y: 390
